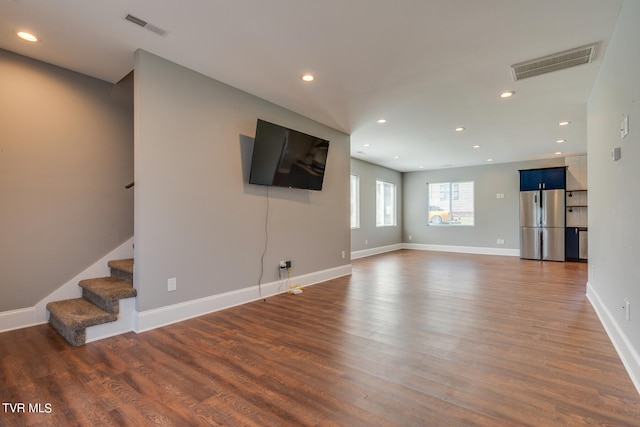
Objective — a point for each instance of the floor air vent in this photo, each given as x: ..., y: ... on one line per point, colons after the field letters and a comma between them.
x: 144, y: 24
x: 555, y: 62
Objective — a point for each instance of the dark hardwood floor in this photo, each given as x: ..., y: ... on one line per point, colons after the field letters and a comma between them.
x: 412, y: 338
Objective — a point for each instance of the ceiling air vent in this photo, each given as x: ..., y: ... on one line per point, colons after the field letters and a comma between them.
x: 555, y: 62
x: 144, y: 24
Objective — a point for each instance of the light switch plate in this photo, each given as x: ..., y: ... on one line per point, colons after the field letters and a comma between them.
x: 624, y: 127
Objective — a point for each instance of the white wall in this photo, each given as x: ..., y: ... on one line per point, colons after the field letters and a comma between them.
x: 614, y: 188
x: 494, y: 218
x: 66, y: 153
x: 369, y: 237
x: 196, y: 217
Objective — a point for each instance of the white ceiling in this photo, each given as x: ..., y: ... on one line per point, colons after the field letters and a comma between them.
x: 427, y: 66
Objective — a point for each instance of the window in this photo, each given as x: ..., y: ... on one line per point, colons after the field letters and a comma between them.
x: 355, y: 201
x: 451, y: 203
x: 385, y: 204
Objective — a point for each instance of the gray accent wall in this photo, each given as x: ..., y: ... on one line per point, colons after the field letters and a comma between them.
x: 614, y: 188
x: 495, y: 218
x: 368, y: 236
x: 196, y: 217
x: 66, y: 153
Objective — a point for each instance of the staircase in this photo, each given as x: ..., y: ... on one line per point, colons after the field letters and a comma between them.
x: 100, y: 303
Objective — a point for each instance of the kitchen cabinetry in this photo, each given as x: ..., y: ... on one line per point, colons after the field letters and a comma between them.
x: 576, y: 239
x: 576, y: 233
x: 543, y: 179
x: 542, y: 213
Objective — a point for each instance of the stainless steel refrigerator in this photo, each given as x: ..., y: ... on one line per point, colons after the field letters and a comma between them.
x: 542, y: 221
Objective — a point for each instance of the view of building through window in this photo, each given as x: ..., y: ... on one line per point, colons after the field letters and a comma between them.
x: 451, y: 203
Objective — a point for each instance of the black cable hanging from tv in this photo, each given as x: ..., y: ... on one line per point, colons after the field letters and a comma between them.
x: 266, y: 242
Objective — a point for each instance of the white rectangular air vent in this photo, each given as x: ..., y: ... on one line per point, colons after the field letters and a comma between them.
x: 555, y: 62
x: 144, y: 24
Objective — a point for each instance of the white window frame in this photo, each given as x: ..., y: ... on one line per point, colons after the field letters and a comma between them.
x: 386, y: 209
x: 354, y: 185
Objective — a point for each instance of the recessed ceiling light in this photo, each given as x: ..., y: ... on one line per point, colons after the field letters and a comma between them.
x: 27, y: 36
x: 421, y: 166
x: 476, y: 146
x: 557, y: 153
x: 396, y: 157
x: 489, y: 160
x: 560, y: 141
x: 459, y: 129
x: 507, y: 94
x: 382, y: 121
x: 366, y: 145
x: 308, y: 77
x: 564, y: 123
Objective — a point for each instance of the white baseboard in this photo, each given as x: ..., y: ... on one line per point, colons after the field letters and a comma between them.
x: 440, y: 248
x: 375, y: 251
x: 628, y: 354
x: 152, y: 319
x: 462, y: 249
x: 37, y: 315
x: 131, y: 320
x: 17, y: 319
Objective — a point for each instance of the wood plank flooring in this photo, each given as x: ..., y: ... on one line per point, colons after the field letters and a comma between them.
x: 411, y: 338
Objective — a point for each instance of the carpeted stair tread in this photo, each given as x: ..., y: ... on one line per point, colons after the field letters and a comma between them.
x: 122, y: 269
x: 78, y: 312
x: 122, y: 264
x: 72, y: 317
x: 106, y: 292
x: 100, y: 303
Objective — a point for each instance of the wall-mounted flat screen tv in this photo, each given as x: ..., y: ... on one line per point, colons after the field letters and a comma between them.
x: 284, y: 157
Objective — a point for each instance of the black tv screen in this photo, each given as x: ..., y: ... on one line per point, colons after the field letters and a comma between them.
x: 284, y: 157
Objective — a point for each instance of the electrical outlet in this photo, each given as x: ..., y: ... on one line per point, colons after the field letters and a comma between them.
x: 283, y: 264
x: 287, y: 263
x: 343, y: 255
x: 171, y: 284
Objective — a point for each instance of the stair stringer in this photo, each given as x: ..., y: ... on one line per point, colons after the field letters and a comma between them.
x: 72, y: 290
x: 38, y: 314
x: 125, y: 323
